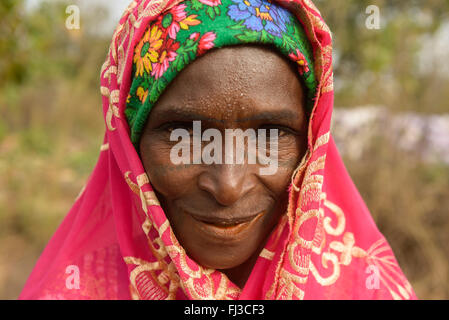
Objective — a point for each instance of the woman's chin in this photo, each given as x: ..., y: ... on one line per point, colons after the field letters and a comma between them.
x: 222, y: 261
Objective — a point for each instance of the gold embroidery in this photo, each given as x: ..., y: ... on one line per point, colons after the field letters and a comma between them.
x: 104, y: 147
x: 328, y: 82
x: 121, y: 54
x: 114, y: 96
x: 303, y: 217
x: 347, y: 249
x: 108, y: 70
x: 325, y: 258
x: 288, y: 289
x: 299, y: 170
x: 146, y: 226
x: 105, y: 91
x: 321, y: 141
x: 312, y: 6
x: 150, y: 198
x: 316, y: 165
x: 145, y: 281
x: 386, y: 264
x: 320, y: 24
x: 153, y: 280
x: 134, y: 187
x: 163, y: 228
x: 320, y: 238
x: 267, y: 254
x: 299, y: 263
x: 192, y: 285
x: 221, y: 290
x: 343, y: 252
x: 341, y: 221
x: 142, y: 179
x: 133, y: 260
x: 311, y: 190
x: 298, y: 251
x: 112, y: 111
x: 156, y: 7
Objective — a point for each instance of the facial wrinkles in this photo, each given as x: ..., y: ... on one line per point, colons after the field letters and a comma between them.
x: 236, y: 93
x: 233, y: 88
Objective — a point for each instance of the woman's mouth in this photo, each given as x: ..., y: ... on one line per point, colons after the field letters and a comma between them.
x: 225, y: 228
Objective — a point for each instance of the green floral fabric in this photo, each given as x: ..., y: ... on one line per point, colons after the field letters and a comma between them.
x: 191, y: 28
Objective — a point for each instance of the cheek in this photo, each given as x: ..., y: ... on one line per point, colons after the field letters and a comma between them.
x: 174, y: 181
x: 290, y: 153
x: 168, y: 179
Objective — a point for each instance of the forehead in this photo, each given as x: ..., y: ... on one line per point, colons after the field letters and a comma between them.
x: 231, y: 81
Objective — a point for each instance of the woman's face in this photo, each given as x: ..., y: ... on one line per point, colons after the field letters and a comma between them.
x: 222, y: 214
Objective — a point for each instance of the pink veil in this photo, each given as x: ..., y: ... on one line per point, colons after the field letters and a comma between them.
x: 116, y: 242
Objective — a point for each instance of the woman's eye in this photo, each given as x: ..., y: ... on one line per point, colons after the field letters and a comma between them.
x: 170, y: 127
x: 280, y: 130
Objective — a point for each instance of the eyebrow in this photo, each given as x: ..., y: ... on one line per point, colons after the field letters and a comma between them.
x: 277, y: 115
x: 182, y: 114
x: 271, y: 115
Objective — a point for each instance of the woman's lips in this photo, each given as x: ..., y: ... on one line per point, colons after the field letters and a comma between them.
x: 225, y: 229
x: 224, y: 222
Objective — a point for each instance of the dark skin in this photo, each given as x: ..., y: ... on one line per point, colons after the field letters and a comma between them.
x: 223, y: 214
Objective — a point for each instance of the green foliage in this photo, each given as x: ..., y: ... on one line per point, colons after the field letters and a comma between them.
x: 51, y: 128
x: 408, y: 200
x: 386, y: 60
x: 12, y: 56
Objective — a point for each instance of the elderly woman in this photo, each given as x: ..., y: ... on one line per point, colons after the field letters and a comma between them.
x: 170, y: 213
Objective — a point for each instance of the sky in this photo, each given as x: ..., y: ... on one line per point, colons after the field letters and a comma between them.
x: 107, y: 27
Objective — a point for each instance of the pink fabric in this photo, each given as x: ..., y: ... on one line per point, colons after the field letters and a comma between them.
x: 119, y: 239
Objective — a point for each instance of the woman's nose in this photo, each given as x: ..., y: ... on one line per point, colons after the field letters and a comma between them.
x: 227, y: 182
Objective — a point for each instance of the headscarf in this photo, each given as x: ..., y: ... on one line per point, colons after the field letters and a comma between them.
x: 116, y: 241
x: 180, y: 35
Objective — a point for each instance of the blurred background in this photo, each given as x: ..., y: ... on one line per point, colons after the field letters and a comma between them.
x: 391, y: 123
